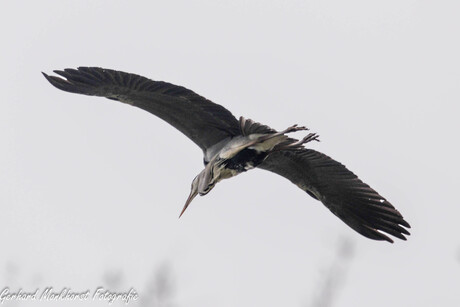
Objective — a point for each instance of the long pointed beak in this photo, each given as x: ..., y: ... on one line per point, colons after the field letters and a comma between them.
x: 192, y: 195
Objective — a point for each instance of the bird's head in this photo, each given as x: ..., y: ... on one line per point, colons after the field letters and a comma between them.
x: 203, y: 183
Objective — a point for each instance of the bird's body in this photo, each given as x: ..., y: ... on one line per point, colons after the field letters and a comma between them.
x: 231, y: 147
x: 241, y: 154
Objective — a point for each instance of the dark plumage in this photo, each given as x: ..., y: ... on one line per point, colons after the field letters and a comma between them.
x: 231, y: 147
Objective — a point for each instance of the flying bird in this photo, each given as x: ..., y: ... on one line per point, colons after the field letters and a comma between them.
x: 231, y: 147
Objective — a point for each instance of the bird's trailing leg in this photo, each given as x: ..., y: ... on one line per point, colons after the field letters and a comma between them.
x: 290, y: 129
x: 310, y: 137
x: 293, y: 128
x: 299, y: 144
x: 278, y: 136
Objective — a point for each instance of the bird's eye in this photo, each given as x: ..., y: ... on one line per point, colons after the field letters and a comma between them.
x: 208, y: 188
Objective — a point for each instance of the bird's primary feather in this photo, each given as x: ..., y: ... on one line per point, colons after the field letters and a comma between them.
x: 203, y: 121
x: 353, y: 201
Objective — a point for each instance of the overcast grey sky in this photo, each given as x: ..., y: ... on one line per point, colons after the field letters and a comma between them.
x: 90, y: 187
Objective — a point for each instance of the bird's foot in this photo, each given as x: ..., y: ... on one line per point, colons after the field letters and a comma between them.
x: 299, y: 144
x: 293, y: 128
x: 264, y: 138
x: 310, y: 137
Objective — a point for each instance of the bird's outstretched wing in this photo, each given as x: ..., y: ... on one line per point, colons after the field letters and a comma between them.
x: 203, y: 121
x: 353, y: 201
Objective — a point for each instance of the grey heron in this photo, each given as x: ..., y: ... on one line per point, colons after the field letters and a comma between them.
x: 231, y: 147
